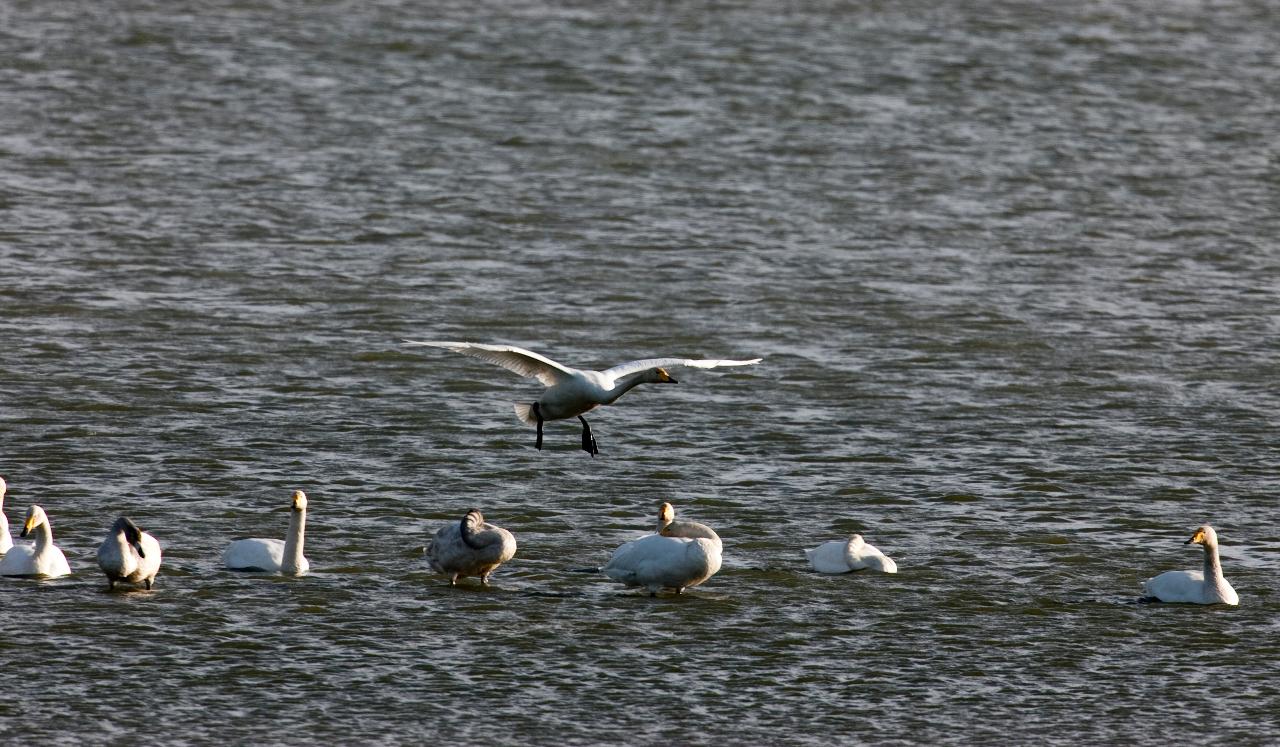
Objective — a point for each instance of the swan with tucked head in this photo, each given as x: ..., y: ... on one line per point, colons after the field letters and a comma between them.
x: 572, y: 391
x: 6, y: 541
x: 1207, y: 586
x: 470, y: 547
x: 40, y: 559
x: 844, y: 556
x: 273, y: 555
x: 679, y: 555
x: 129, y: 555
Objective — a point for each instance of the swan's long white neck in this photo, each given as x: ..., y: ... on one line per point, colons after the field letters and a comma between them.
x: 44, y: 536
x: 291, y: 562
x: 624, y: 385
x: 1212, y: 565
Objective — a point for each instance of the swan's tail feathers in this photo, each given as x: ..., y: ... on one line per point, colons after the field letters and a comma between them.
x: 525, y: 413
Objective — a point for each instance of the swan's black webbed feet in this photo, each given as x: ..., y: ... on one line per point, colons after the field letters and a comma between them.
x: 537, y: 413
x: 588, y: 440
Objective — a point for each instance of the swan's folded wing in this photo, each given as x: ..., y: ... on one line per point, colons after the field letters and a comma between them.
x: 622, y: 369
x: 517, y: 360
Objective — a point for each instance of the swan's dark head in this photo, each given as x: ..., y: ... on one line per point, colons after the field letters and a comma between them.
x: 661, y: 376
x: 132, y: 534
x: 470, y: 526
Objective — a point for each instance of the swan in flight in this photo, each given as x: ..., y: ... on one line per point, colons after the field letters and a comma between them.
x: 273, y: 555
x: 679, y: 555
x: 41, y: 559
x: 571, y: 391
x: 129, y: 554
x: 6, y: 540
x: 470, y: 547
x: 853, y: 554
x: 1195, y: 587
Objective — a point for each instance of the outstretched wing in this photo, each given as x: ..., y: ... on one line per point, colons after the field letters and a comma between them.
x: 622, y: 369
x: 517, y: 360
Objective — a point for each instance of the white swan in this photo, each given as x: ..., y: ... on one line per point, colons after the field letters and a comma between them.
x: 680, y: 555
x: 129, y: 554
x: 571, y: 391
x: 853, y: 554
x: 273, y: 555
x: 1195, y: 587
x: 6, y: 540
x: 40, y: 559
x: 470, y: 547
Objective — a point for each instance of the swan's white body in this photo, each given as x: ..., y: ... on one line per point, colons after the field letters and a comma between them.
x: 273, y: 555
x: 680, y: 555
x: 129, y: 555
x: 40, y: 559
x: 1195, y: 587
x: 853, y: 554
x: 571, y: 391
x: 470, y: 547
x: 6, y: 540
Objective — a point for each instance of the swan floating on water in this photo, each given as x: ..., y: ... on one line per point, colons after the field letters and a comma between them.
x: 470, y: 547
x: 571, y: 391
x: 679, y: 555
x: 129, y: 554
x: 6, y: 540
x: 40, y: 559
x: 273, y: 555
x: 1195, y: 587
x: 853, y: 554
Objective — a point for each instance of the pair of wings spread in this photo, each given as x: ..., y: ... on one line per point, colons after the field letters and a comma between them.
x: 529, y: 364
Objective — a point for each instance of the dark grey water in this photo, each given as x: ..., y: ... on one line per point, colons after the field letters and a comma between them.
x: 1013, y: 270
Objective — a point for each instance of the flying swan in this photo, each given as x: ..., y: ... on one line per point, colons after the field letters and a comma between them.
x: 129, y: 555
x: 571, y: 391
x: 853, y: 554
x: 1195, y: 587
x: 679, y: 555
x: 470, y: 547
x: 6, y: 541
x: 40, y: 559
x: 273, y: 555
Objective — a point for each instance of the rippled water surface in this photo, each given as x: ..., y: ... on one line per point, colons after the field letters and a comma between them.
x: 1013, y: 270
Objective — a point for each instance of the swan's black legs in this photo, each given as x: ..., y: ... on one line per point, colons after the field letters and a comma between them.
x: 588, y: 440
x: 537, y: 413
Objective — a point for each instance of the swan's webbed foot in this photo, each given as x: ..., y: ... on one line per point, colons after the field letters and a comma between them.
x: 148, y: 583
x: 588, y: 440
x: 537, y: 413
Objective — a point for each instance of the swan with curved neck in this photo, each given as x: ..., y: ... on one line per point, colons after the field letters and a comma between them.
x: 1207, y: 586
x: 43, y: 558
x: 470, y: 547
x: 273, y: 555
x: 845, y: 556
x: 6, y: 540
x: 572, y: 391
x: 679, y: 555
x: 129, y: 555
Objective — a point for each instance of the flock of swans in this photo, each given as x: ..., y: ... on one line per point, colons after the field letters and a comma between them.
x: 676, y: 556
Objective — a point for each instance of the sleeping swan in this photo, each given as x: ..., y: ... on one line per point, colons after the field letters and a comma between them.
x: 470, y: 548
x: 273, y: 555
x: 6, y: 541
x: 41, y: 559
x: 1195, y: 587
x: 680, y: 555
x: 129, y: 554
x: 853, y: 554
